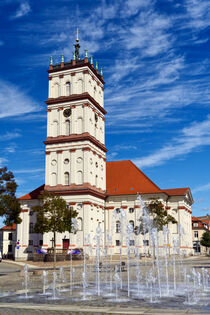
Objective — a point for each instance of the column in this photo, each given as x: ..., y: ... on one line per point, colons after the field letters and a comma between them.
x: 85, y: 164
x: 73, y: 119
x: 72, y: 166
x: 60, y: 167
x: 49, y: 122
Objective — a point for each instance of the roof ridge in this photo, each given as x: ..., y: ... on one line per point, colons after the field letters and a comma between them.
x: 176, y: 188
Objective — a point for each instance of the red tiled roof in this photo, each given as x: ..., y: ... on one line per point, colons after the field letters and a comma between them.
x: 201, y: 223
x: 176, y: 191
x: 33, y: 194
x: 195, y: 219
x: 9, y: 227
x: 125, y: 178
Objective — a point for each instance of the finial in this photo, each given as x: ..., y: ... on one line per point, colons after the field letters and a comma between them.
x: 101, y: 72
x: 86, y: 53
x: 51, y: 60
x: 74, y: 56
x: 91, y: 60
x: 77, y: 32
x: 62, y: 58
x: 96, y: 65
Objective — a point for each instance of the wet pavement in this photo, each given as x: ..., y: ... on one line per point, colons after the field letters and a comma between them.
x: 11, y: 284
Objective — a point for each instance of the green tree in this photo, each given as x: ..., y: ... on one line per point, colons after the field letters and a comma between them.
x: 205, y: 240
x: 159, y: 217
x: 9, y: 205
x: 53, y: 215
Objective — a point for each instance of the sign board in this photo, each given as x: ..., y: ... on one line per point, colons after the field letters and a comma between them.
x: 17, y: 247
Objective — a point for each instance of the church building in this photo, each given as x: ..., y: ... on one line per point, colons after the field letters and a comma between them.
x: 76, y: 168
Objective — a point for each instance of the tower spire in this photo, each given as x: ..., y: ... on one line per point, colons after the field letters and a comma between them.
x: 77, y: 46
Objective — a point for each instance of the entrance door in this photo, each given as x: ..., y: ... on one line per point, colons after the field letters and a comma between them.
x: 65, y: 243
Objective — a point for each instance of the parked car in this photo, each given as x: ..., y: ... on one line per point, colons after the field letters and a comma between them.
x: 0, y: 256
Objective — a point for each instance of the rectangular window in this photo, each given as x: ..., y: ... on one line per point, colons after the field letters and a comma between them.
x: 145, y: 242
x: 10, y: 237
x: 40, y: 242
x: 31, y: 228
x: 132, y: 242
x: 118, y: 227
x: 30, y: 242
x: 196, y: 234
x: 117, y: 242
x: 195, y: 224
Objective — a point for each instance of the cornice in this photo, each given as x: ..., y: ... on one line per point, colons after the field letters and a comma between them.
x: 69, y: 66
x: 75, y: 97
x: 82, y: 190
x: 75, y: 138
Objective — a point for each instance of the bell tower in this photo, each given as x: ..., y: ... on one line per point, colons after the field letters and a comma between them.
x: 75, y: 149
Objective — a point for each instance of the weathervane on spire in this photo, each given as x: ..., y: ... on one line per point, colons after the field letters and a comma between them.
x: 77, y: 46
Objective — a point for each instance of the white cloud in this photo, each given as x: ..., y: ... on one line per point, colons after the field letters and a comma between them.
x: 206, y: 209
x: 111, y: 156
x: 119, y: 147
x: 123, y: 67
x: 198, y: 13
x: 9, y: 136
x: 185, y: 142
x: 28, y: 171
x: 3, y: 161
x: 23, y: 10
x: 19, y: 102
x: 201, y: 188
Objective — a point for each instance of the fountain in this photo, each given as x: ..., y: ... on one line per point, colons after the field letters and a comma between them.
x: 162, y: 279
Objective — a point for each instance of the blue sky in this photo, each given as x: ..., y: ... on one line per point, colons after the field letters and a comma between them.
x: 156, y: 64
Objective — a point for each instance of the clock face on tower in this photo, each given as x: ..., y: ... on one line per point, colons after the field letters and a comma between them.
x: 67, y: 112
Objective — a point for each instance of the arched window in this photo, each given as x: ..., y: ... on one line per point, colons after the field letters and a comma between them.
x: 54, y: 179
x: 80, y: 225
x: 56, y: 90
x: 131, y: 222
x: 66, y: 178
x: 96, y: 180
x: 55, y: 130
x: 68, y: 88
x: 79, y: 178
x: 118, y: 227
x: 67, y: 123
x: 131, y: 210
x: 79, y: 125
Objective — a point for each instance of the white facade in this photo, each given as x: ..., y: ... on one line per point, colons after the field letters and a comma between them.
x: 76, y: 168
x: 8, y: 242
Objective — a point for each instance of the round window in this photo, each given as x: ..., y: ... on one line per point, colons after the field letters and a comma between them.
x: 54, y: 162
x: 79, y: 160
